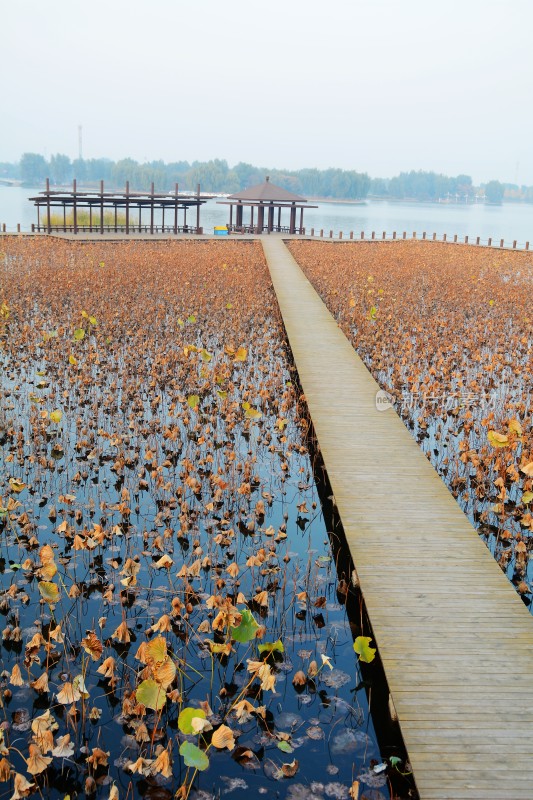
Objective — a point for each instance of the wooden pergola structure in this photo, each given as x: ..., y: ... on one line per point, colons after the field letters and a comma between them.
x: 129, y: 204
x: 267, y: 199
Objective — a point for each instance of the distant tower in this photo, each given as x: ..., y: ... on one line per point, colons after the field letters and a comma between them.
x: 80, y: 142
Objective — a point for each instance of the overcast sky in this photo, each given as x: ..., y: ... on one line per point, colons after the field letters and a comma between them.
x: 373, y: 85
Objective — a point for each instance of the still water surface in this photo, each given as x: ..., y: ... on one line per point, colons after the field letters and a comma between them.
x: 508, y: 222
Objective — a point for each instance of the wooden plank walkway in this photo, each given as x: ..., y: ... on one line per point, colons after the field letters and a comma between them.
x: 455, y: 639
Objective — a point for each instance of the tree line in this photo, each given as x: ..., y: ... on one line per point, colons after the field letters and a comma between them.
x: 217, y: 176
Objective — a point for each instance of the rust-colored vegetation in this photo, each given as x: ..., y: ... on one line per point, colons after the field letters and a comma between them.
x: 448, y: 332
x: 159, y: 527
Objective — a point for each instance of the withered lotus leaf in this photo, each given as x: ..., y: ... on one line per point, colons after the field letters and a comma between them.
x: 36, y: 762
x: 223, y: 737
x: 92, y: 645
x: 22, y: 786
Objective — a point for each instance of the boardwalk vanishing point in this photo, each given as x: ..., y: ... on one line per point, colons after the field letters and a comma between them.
x: 455, y: 639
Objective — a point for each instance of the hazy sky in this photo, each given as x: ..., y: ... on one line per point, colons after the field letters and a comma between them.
x: 374, y: 85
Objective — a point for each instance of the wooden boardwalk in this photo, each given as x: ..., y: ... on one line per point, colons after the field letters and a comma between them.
x: 455, y: 639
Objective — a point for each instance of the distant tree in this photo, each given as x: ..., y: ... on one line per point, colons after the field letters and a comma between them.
x: 79, y: 170
x: 379, y: 187
x: 9, y: 170
x: 60, y: 168
x: 494, y: 192
x: 33, y: 169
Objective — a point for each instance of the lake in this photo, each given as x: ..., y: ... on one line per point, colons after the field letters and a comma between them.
x: 508, y: 222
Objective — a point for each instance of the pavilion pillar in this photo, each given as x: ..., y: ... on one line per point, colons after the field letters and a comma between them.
x: 64, y: 218
x: 140, y: 207
x: 301, y: 220
x: 231, y: 216
x: 48, y: 227
x: 152, y: 208
x: 162, y: 219
x: 238, y: 220
x: 74, y: 206
x: 260, y: 217
x: 251, y: 218
x: 90, y: 217
x: 270, y: 218
x: 292, y: 223
x: 198, y: 208
x: 127, y: 207
x: 184, y: 219
x: 101, y: 206
x: 176, y: 210
x: 279, y: 219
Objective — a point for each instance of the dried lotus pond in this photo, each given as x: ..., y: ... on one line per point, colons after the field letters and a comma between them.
x: 447, y: 331
x: 173, y: 621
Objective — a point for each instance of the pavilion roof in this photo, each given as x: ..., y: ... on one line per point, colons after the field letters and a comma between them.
x: 267, y: 192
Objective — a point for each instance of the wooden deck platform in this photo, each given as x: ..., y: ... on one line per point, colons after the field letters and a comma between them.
x: 455, y: 639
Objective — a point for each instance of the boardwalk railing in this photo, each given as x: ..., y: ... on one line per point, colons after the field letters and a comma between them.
x: 315, y: 233
x: 424, y: 236
x: 116, y: 229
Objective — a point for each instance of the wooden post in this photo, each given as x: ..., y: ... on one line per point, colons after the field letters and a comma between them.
x: 514, y: 244
x: 434, y: 237
x: 270, y: 218
x: 162, y: 219
x: 405, y: 235
x: 176, y: 209
x: 198, y: 209
x: 373, y: 234
x: 466, y: 239
x: 321, y: 232
x: 414, y: 234
x: 455, y: 238
x: 18, y: 227
x: 152, y: 207
x: 127, y: 207
x: 340, y: 234
x: 501, y: 242
x: 312, y: 231
x: 384, y: 235
x: 489, y: 243
x: 33, y: 227
x: 231, y: 216
x: 74, y: 206
x: 101, y: 207
x: 362, y: 234
x: 527, y: 245
x: 252, y: 218
x: 292, y: 222
x: 423, y: 235
x: 477, y: 239
x: 394, y: 234
x: 331, y: 234
x: 279, y: 217
x: 351, y: 234
x: 90, y: 217
x: 115, y: 216
x: 139, y: 218
x: 48, y: 228
x: 443, y: 237
x: 301, y: 220
x: 3, y: 227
